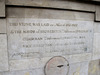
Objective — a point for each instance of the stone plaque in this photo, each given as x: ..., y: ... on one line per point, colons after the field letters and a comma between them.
x: 28, y: 38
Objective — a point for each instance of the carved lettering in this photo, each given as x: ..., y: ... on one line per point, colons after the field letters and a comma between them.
x: 29, y: 37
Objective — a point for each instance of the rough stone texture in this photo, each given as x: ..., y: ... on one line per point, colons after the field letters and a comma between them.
x: 2, y: 25
x: 54, y: 4
x: 94, y: 67
x: 3, y: 53
x: 2, y: 8
x: 78, y: 68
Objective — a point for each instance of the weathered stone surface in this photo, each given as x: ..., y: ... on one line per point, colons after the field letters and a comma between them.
x: 28, y: 59
x: 41, y: 62
x: 78, y: 68
x: 57, y: 66
x: 28, y: 38
x: 94, y: 67
x: 97, y: 13
x: 3, y: 53
x: 54, y: 4
x: 2, y: 25
x: 25, y: 72
x: 75, y: 58
x: 96, y: 27
x: 25, y: 64
x: 33, y: 61
x: 75, y: 69
x: 96, y: 44
x: 2, y: 8
x: 15, y: 12
x: 96, y: 49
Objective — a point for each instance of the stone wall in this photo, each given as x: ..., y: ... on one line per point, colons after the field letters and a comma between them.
x: 49, y: 38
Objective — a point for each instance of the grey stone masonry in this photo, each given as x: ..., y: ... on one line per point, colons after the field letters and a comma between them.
x: 2, y: 8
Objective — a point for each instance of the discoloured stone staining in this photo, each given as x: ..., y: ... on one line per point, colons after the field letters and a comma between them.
x: 94, y: 67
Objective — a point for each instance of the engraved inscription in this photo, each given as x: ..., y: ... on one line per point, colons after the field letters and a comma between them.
x: 30, y: 38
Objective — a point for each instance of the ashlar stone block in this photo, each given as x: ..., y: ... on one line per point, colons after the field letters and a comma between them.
x: 2, y: 8
x: 2, y: 25
x: 94, y: 67
x: 3, y: 53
